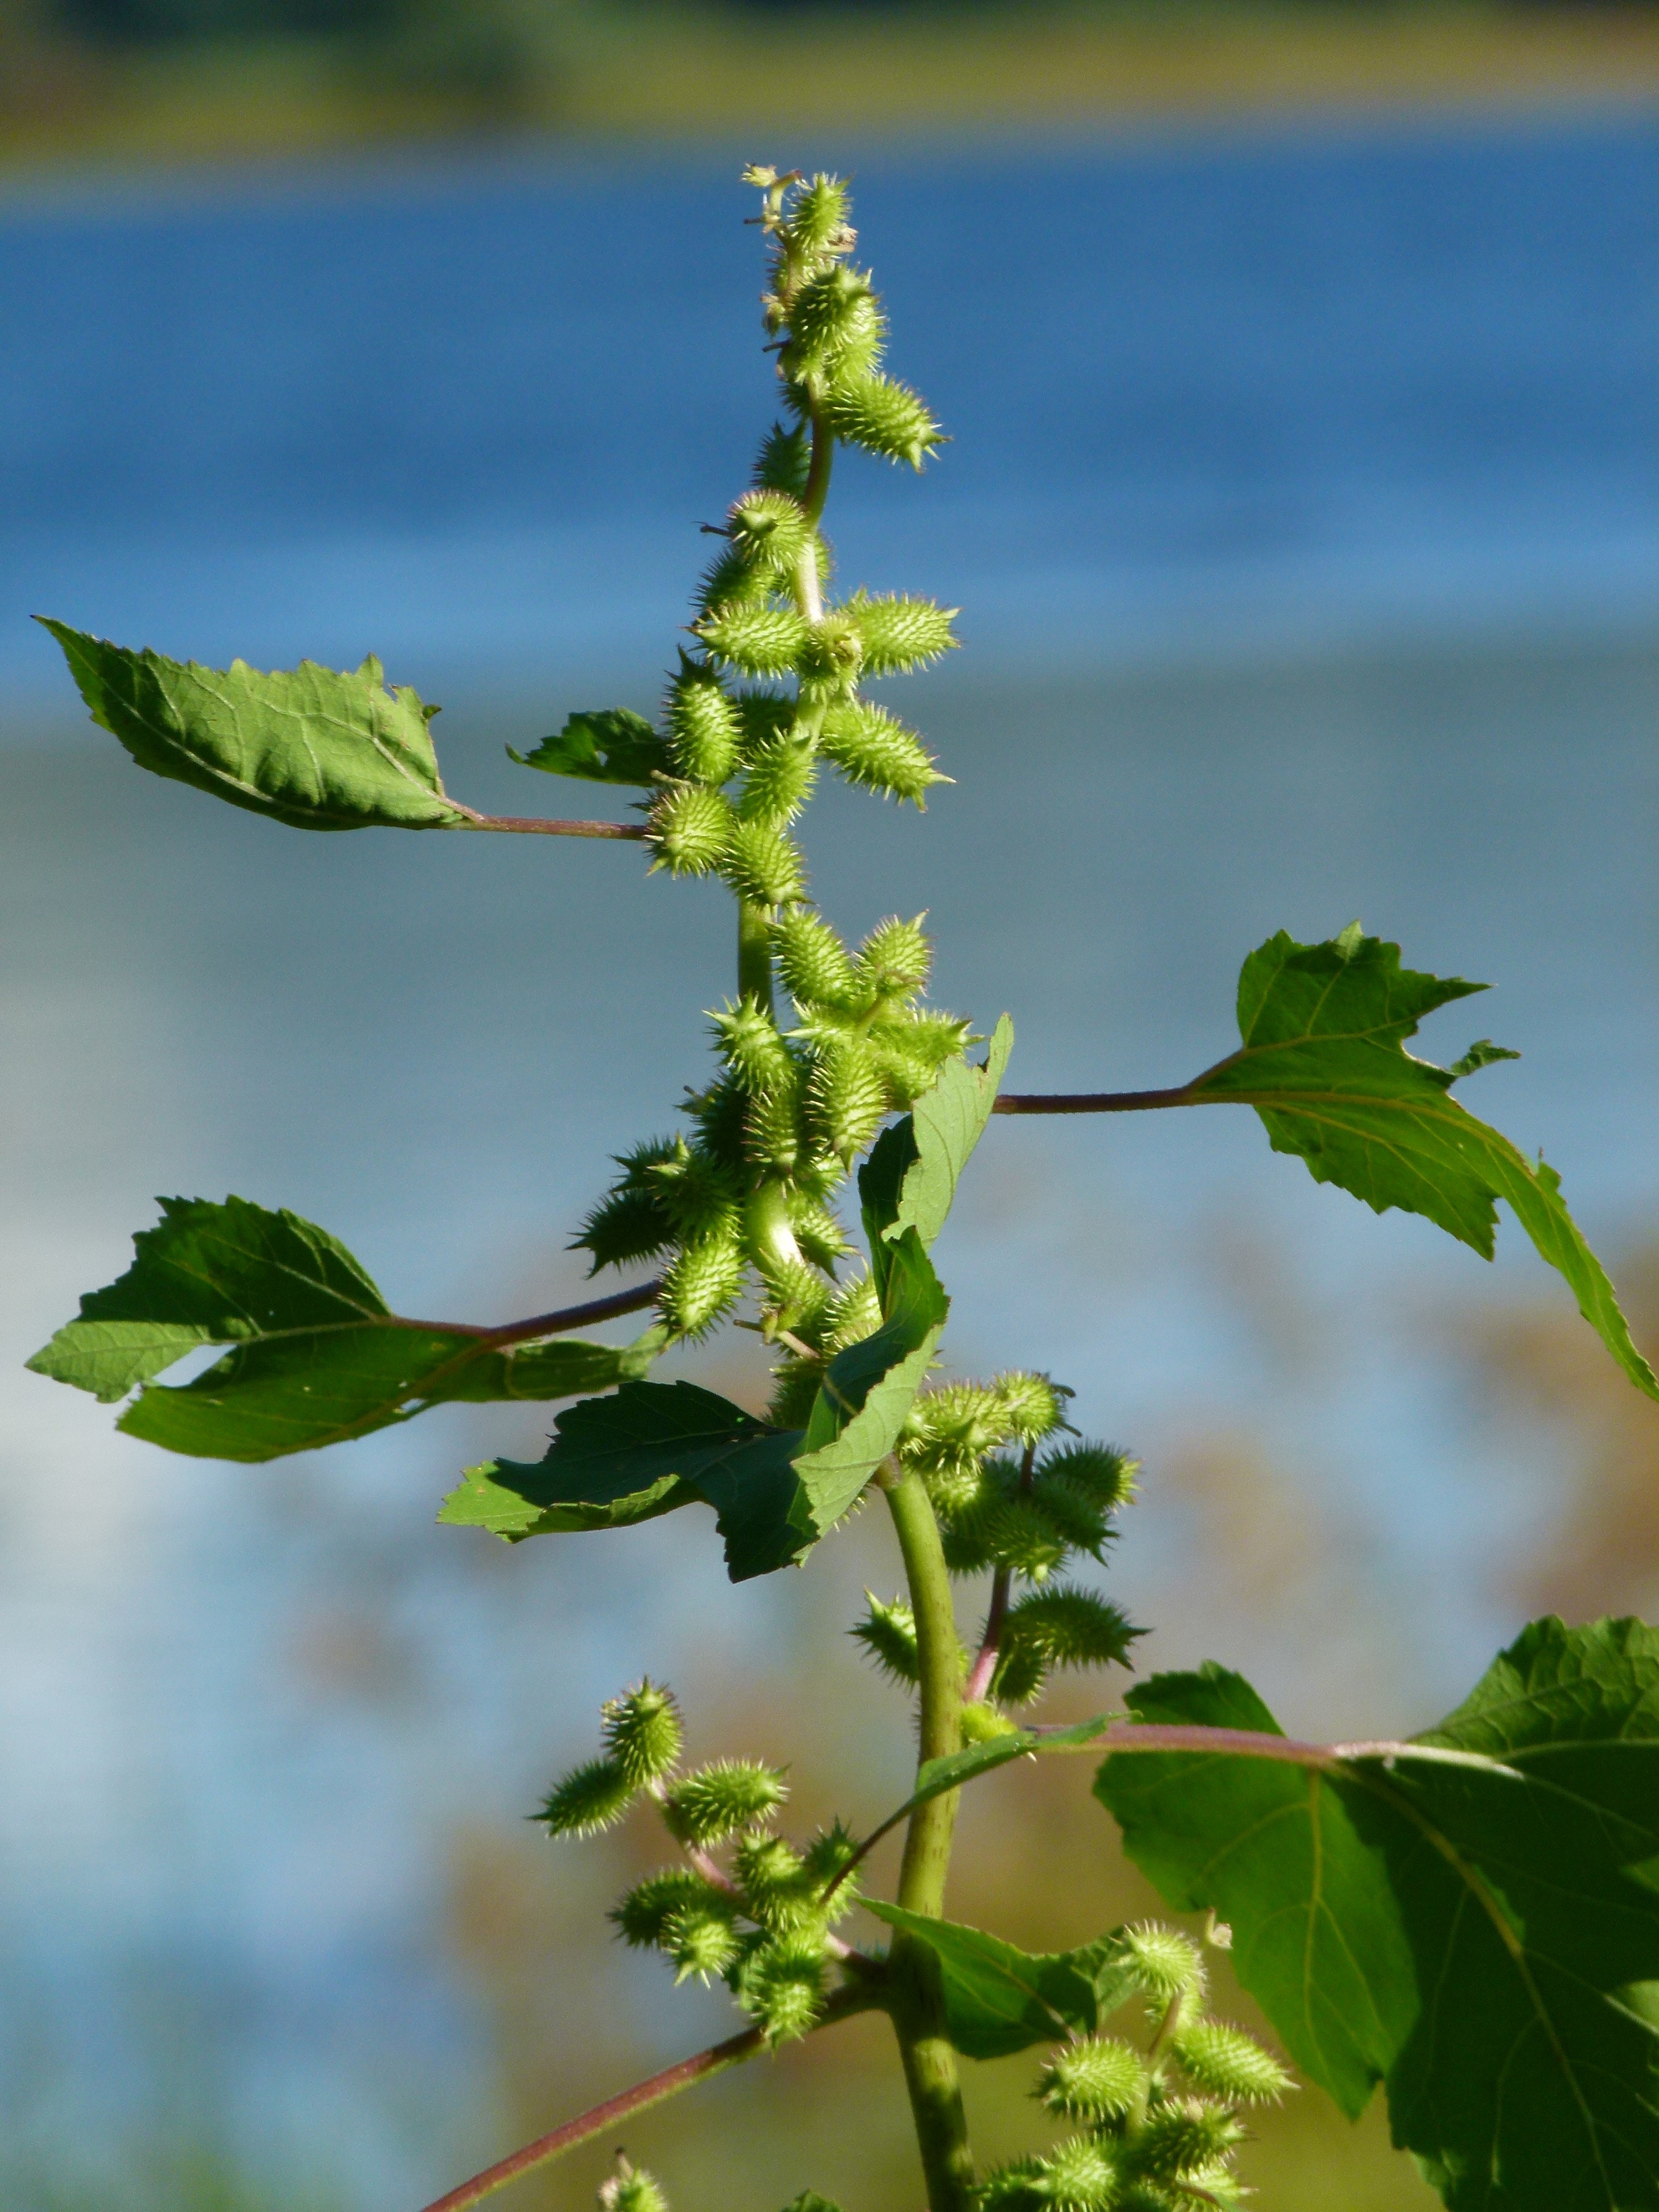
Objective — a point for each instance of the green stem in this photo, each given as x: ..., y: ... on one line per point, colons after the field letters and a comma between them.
x: 916, y: 1996
x: 755, y: 954
x: 818, y: 470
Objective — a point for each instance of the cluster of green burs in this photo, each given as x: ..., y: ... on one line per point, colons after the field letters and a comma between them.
x: 760, y: 1925
x: 746, y: 1194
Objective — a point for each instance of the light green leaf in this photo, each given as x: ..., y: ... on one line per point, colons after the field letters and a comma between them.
x: 314, y: 747
x: 910, y: 1180
x: 1323, y: 1062
x: 1000, y: 1999
x: 868, y: 1389
x: 603, y: 744
x: 652, y: 1448
x: 317, y: 1358
x: 1481, y: 1930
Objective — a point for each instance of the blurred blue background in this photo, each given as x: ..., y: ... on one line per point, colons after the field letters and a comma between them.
x: 1304, y: 512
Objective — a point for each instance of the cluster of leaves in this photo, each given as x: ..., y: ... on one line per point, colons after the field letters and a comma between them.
x: 762, y: 1920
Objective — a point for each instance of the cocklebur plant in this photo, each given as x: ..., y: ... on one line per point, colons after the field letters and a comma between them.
x: 1469, y: 1917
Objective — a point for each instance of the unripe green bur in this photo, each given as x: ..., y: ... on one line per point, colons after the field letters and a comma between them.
x: 895, y: 960
x: 629, y: 1224
x: 640, y: 1731
x: 1079, y: 1523
x: 757, y: 640
x: 1080, y: 2175
x: 1098, y: 2079
x: 778, y: 1889
x: 820, y: 1235
x: 588, y: 1799
x: 764, y: 717
x: 772, y: 1132
x: 852, y: 1314
x: 888, y: 1633
x: 798, y: 1294
x: 761, y: 865
x: 833, y: 321
x: 1184, y: 2142
x: 846, y: 1098
x: 814, y: 964
x: 768, y: 530
x: 692, y: 829
x: 830, y: 657
x: 1104, y: 1475
x: 1011, y: 2188
x: 704, y: 730
x: 704, y: 1281
x: 829, y: 1850
x: 715, y: 1803
x: 784, y: 459
x: 883, y: 417
x: 752, y: 1046
x: 779, y: 783
x: 899, y: 634
x: 817, y: 217
x: 1166, y: 1963
x: 871, y: 748
x: 781, y: 1987
x: 701, y: 1941
x: 701, y: 1197
x: 1034, y: 1406
x: 982, y: 1722
x: 631, y: 2190
x: 1006, y: 1532
x: 1230, y: 2063
x: 1058, y: 1626
x: 721, y: 1114
x: 730, y: 583
x: 642, y: 1915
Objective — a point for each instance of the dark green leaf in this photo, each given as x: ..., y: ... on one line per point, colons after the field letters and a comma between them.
x: 316, y: 1357
x: 910, y: 1180
x: 653, y: 1447
x: 1323, y: 1062
x: 603, y: 744
x: 868, y: 1389
x: 810, y: 2201
x: 1479, y: 1922
x: 310, y: 746
x: 1316, y: 1936
x: 1000, y: 1999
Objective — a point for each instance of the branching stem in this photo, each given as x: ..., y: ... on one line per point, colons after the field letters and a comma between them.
x: 985, y: 1662
x: 916, y: 1997
x: 601, y: 2119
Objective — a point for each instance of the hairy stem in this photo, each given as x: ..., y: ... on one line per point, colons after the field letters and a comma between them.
x: 639, y: 2099
x: 916, y: 1997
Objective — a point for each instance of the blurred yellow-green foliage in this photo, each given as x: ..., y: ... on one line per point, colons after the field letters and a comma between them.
x: 176, y: 80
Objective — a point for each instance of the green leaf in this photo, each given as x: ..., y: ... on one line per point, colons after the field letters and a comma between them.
x: 868, y: 1389
x: 810, y: 2201
x: 1000, y: 1999
x: 1323, y: 1062
x: 310, y: 746
x: 1482, y: 1930
x: 316, y: 1356
x: 652, y: 1448
x: 910, y: 1180
x: 1316, y: 1936
x: 603, y: 744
